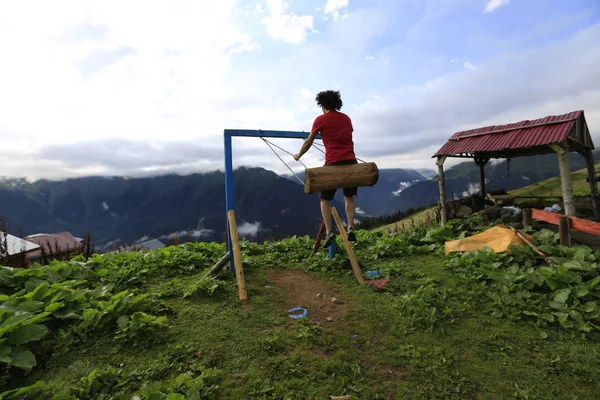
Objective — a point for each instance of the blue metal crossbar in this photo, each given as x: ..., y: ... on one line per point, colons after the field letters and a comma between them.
x: 227, y: 135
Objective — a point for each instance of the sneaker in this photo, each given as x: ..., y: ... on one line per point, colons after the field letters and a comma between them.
x: 329, y: 239
x: 351, y: 235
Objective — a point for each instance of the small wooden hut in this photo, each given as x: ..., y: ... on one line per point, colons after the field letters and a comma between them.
x: 558, y: 134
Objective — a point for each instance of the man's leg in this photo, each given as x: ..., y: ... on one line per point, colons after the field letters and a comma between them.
x: 326, y: 213
x: 326, y: 198
x: 350, y: 208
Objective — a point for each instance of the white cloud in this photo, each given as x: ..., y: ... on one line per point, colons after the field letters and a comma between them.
x: 110, y: 69
x: 248, y: 229
x: 258, y: 8
x: 288, y: 27
x: 197, y: 233
x: 105, y: 206
x: 469, y: 66
x: 472, y: 188
x: 495, y: 4
x: 334, y: 7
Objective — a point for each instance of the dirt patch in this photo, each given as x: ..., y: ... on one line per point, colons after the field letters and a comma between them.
x: 294, y: 288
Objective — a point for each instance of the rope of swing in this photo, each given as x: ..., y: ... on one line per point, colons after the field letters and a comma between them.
x: 317, y: 146
x: 281, y: 159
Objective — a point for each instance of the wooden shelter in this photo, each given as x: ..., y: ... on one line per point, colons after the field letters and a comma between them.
x: 558, y: 134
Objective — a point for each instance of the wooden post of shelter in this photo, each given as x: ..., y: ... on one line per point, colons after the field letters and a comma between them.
x: 565, y: 178
x: 442, y: 185
x: 527, y: 217
x: 591, y: 169
x: 564, y: 226
x: 481, y: 162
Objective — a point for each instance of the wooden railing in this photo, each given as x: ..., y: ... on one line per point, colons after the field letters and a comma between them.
x: 565, y: 223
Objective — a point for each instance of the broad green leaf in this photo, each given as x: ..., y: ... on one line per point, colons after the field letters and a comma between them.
x: 41, y: 291
x: 548, y: 317
x: 561, y: 296
x: 122, y: 321
x: 593, y: 282
x: 22, y: 358
x: 26, y: 334
x: 54, y: 307
x: 175, y: 396
x: 576, y: 316
x: 5, y: 354
x: 580, y: 291
x: 590, y: 306
x: 580, y: 255
x: 13, y: 394
x: 13, y: 321
x: 557, y: 305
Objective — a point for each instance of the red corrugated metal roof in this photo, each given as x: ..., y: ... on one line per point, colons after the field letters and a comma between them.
x: 520, y: 135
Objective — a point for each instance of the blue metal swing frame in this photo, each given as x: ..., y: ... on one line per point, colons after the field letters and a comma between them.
x: 228, y: 134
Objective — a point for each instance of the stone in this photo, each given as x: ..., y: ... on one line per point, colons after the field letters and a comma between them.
x: 464, y: 211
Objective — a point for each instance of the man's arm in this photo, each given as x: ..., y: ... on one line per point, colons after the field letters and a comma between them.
x: 306, y: 145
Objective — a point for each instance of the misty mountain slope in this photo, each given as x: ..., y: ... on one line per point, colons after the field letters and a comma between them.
x: 129, y: 209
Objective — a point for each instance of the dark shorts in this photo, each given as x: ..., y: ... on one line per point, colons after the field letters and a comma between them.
x: 348, y: 192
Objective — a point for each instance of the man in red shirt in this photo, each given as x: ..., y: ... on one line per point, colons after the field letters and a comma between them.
x: 336, y: 131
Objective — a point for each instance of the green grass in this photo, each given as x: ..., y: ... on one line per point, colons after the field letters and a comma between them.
x: 421, y: 219
x: 423, y: 337
x: 552, y: 186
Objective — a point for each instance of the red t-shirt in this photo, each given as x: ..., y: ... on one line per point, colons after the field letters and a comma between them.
x: 336, y: 130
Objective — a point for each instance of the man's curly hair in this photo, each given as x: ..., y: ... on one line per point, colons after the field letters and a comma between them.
x: 330, y: 99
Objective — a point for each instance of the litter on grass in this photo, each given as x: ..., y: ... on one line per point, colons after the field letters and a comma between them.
x: 298, y: 316
x: 498, y: 238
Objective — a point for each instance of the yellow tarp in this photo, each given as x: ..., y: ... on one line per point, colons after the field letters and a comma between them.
x: 497, y: 238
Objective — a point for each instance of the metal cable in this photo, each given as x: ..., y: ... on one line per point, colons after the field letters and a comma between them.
x: 284, y: 163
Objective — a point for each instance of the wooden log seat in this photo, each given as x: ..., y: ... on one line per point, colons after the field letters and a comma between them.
x: 340, y: 176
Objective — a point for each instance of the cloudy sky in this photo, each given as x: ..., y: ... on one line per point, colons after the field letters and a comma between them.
x: 143, y: 87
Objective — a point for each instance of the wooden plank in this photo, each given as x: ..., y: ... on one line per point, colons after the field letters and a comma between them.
x: 545, y: 216
x: 237, y: 257
x: 340, y: 176
x: 583, y: 225
x: 344, y: 234
x: 579, y: 224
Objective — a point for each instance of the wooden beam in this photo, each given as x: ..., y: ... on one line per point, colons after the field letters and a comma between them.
x: 344, y: 234
x: 237, y: 256
x: 442, y: 186
x: 565, y: 178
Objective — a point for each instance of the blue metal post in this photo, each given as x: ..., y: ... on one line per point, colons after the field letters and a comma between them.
x: 332, y: 250
x: 228, y: 192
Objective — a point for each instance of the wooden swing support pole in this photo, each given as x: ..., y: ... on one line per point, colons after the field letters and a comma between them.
x: 237, y: 255
x: 344, y: 234
x: 318, y: 240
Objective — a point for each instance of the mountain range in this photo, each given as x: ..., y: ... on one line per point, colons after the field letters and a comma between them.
x: 122, y: 210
